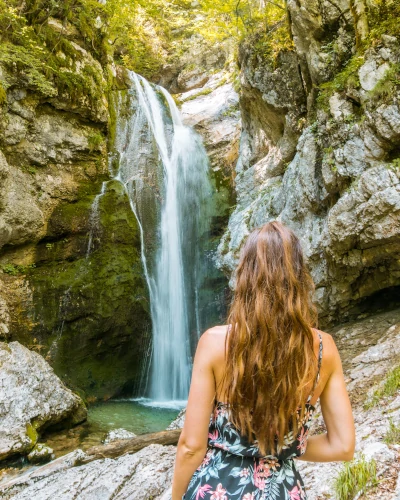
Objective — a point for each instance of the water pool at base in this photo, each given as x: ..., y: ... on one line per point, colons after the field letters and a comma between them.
x: 104, y: 417
x: 130, y: 415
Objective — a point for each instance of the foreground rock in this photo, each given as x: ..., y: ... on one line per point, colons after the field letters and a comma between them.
x: 32, y: 398
x: 368, y: 350
x: 141, y: 476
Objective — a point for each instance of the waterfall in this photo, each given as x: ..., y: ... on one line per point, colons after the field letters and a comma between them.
x: 94, y: 220
x: 164, y: 168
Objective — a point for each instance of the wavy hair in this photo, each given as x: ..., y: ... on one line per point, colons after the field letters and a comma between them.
x: 270, y: 359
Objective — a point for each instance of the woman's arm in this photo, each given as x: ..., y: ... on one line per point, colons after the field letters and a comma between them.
x: 192, y: 444
x: 338, y: 442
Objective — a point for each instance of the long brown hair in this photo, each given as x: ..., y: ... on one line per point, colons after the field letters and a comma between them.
x: 270, y: 359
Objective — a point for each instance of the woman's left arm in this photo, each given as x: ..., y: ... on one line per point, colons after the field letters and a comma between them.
x: 192, y: 445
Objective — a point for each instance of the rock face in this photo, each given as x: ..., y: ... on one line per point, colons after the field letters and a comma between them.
x: 326, y: 164
x: 32, y: 398
x: 71, y: 279
x: 194, y: 67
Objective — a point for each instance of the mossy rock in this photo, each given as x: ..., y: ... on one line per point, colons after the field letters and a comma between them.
x: 92, y: 311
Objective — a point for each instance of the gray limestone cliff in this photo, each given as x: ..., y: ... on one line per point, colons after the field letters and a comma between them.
x: 319, y: 150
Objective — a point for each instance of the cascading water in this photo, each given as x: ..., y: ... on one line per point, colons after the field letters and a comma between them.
x: 164, y: 167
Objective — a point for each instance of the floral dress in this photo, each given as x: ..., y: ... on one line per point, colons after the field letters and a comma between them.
x: 234, y: 469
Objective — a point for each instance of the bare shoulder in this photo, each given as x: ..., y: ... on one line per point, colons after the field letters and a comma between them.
x: 330, y: 353
x: 213, y: 341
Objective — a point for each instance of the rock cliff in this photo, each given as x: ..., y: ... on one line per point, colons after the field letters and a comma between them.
x: 319, y: 150
x: 71, y: 278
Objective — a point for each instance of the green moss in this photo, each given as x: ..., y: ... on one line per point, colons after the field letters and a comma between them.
x: 198, y: 94
x: 94, y: 140
x: 346, y: 78
x: 32, y: 434
x: 92, y: 310
x: 3, y: 95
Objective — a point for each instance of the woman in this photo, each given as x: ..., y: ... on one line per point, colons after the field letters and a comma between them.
x: 259, y: 378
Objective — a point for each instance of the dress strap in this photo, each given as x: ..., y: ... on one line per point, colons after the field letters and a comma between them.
x: 319, y: 368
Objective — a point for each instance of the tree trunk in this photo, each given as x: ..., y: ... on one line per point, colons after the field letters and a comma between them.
x: 359, y: 11
x: 123, y: 446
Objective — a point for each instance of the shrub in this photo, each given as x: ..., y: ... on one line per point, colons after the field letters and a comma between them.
x: 355, y: 476
x: 389, y: 387
x: 393, y: 434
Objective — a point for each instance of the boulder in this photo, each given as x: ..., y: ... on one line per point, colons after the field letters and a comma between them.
x: 118, y: 434
x: 179, y: 421
x: 40, y: 453
x: 32, y: 398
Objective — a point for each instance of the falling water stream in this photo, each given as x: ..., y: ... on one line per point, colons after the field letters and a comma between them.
x: 164, y: 168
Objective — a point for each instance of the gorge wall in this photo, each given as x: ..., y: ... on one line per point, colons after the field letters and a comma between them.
x: 81, y: 309
x: 320, y: 148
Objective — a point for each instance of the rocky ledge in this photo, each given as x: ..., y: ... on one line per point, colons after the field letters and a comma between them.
x: 32, y: 398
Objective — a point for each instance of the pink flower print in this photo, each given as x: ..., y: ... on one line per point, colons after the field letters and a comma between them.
x: 244, y: 473
x: 213, y: 435
x: 219, y: 493
x: 294, y: 494
x: 201, y: 492
x: 261, y: 472
x: 248, y: 496
x: 206, y: 459
x: 302, y: 441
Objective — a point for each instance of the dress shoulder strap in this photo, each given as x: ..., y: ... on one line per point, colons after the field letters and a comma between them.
x: 319, y: 367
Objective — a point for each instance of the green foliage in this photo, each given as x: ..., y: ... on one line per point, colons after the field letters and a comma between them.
x: 44, y: 59
x: 393, y: 434
x: 355, y: 476
x: 383, y: 18
x: 347, y: 78
x: 389, y: 387
x: 396, y: 163
x: 16, y: 269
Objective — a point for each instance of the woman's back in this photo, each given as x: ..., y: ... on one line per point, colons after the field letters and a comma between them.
x: 233, y: 467
x: 259, y: 381
x: 218, y: 335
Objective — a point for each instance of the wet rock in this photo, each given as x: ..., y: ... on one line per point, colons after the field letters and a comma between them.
x: 214, y: 112
x: 117, y: 434
x: 40, y: 453
x: 178, y: 422
x: 32, y: 398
